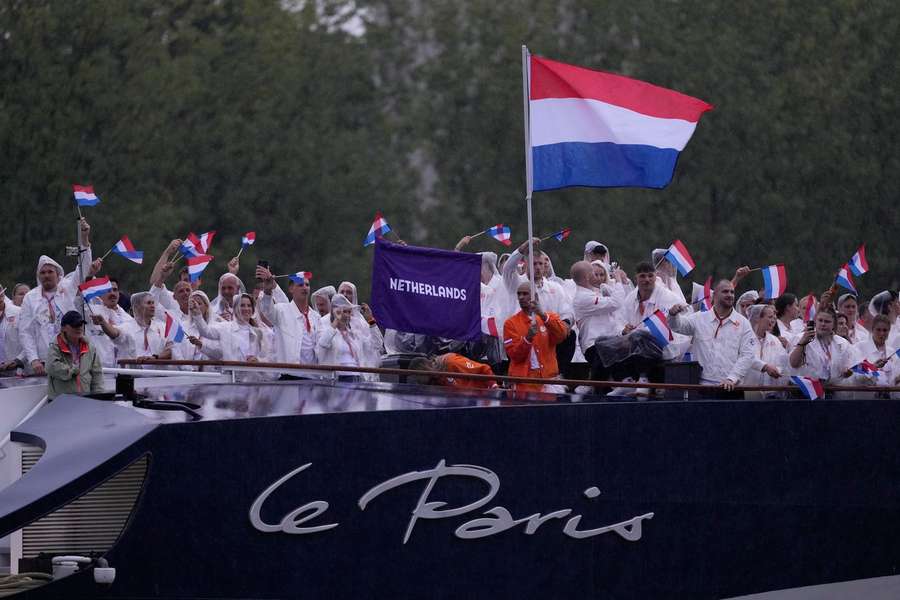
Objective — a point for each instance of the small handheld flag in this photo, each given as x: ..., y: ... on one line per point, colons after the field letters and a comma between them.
x: 94, y: 288
x: 559, y: 235
x: 845, y: 279
x: 702, y: 295
x: 84, y: 195
x: 659, y: 327
x: 378, y: 229
x: 809, y: 313
x: 203, y: 242
x: 679, y: 256
x: 811, y: 388
x: 300, y: 277
x: 501, y: 233
x: 174, y: 331
x: 125, y: 249
x: 858, y: 263
x: 247, y: 240
x: 775, y: 281
x: 188, y: 248
x: 197, y: 264
x: 866, y: 368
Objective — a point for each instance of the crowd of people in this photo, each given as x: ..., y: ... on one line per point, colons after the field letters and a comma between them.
x: 591, y: 325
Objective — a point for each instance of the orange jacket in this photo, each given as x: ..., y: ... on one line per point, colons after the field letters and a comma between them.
x: 550, y: 333
x: 457, y: 363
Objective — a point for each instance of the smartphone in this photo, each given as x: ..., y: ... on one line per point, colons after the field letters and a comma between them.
x: 262, y: 263
x: 810, y: 324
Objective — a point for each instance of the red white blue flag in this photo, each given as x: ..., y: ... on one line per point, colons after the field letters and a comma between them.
x: 679, y: 256
x: 845, y: 279
x: 811, y: 388
x: 248, y: 239
x: 378, y: 229
x: 596, y: 129
x: 659, y: 327
x: 300, y: 277
x: 702, y: 295
x: 774, y: 280
x: 174, y: 331
x: 809, y: 313
x: 125, y: 248
x: 501, y: 233
x: 866, y: 368
x: 197, y: 264
x: 561, y: 234
x: 94, y: 288
x: 858, y: 263
x: 84, y: 195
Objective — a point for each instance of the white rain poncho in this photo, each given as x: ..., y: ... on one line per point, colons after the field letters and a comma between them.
x: 41, y: 314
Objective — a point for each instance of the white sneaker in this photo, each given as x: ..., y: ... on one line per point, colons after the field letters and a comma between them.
x: 622, y: 391
x: 641, y: 392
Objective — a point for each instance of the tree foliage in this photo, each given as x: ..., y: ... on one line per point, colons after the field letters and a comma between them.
x: 282, y: 118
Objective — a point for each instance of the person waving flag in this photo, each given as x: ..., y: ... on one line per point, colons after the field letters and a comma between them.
x: 379, y: 228
x: 596, y: 129
x: 858, y: 263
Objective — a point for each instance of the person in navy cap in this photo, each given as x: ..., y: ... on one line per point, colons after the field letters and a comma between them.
x: 73, y: 366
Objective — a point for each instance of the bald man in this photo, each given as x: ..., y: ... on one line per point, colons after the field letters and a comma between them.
x: 595, y: 306
x: 723, y: 340
x: 530, y: 337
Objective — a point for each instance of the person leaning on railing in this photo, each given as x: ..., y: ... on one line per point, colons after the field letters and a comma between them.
x: 821, y: 354
x: 73, y: 366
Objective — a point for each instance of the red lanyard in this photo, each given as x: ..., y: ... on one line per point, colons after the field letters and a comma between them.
x: 51, y: 312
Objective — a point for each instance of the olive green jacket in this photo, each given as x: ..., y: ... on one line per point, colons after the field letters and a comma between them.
x: 62, y: 375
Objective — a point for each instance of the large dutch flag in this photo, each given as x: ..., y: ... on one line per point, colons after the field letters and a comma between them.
x: 596, y: 129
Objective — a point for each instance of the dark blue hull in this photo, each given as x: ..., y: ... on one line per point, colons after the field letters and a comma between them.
x: 676, y: 500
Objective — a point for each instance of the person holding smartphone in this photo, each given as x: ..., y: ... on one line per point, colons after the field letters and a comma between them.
x: 820, y: 353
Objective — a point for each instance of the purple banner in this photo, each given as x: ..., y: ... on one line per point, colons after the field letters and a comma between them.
x: 426, y: 290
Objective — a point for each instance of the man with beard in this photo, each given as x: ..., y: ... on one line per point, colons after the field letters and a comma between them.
x: 44, y: 306
x: 530, y: 337
x: 723, y: 340
x: 107, y: 318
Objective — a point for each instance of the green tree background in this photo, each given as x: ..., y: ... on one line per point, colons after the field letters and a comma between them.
x: 299, y: 119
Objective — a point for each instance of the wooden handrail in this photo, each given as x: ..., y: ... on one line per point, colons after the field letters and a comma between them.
x: 478, y: 377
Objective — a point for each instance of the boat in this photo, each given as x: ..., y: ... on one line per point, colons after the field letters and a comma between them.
x: 205, y: 486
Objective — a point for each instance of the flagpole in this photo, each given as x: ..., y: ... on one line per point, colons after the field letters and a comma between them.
x: 107, y: 253
x: 528, y: 165
x: 475, y: 235
x: 239, y: 251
